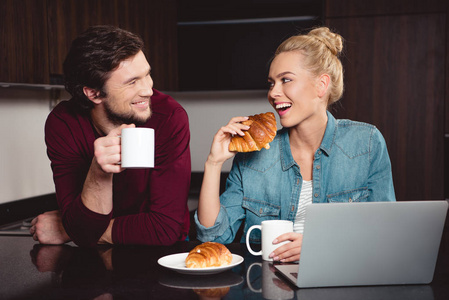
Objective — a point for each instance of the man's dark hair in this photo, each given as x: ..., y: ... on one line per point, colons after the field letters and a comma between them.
x: 93, y: 56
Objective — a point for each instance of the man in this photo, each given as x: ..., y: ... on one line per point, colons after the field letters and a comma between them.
x: 109, y: 79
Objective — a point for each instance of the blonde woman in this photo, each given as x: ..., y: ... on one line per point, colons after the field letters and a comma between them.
x: 314, y: 158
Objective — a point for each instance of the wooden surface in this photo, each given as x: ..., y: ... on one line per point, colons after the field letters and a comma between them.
x: 24, y: 45
x: 348, y: 8
x: 395, y: 79
x: 153, y: 21
x: 36, y: 35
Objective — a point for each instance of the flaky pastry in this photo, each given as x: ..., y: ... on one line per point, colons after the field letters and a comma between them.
x: 262, y: 130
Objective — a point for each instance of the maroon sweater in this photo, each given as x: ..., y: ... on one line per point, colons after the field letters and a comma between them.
x: 149, y: 205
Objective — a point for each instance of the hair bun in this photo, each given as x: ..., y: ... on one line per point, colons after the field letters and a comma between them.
x: 332, y: 40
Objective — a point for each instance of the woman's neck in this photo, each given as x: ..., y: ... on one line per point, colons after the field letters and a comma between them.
x: 308, y: 135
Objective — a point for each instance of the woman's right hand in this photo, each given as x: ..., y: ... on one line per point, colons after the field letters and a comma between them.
x: 219, y: 152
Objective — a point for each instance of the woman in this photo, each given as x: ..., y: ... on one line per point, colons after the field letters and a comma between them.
x: 314, y: 157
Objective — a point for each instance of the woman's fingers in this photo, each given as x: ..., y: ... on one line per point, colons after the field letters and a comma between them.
x: 290, y: 251
x: 235, y: 126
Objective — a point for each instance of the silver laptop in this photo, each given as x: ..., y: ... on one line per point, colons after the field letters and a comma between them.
x: 377, y: 243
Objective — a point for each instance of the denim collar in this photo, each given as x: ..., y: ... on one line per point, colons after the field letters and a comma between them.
x: 287, y: 160
x: 329, y: 134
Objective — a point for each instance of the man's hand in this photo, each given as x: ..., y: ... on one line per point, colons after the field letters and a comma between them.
x: 106, y: 238
x: 47, y: 229
x: 107, y: 150
x: 97, y: 189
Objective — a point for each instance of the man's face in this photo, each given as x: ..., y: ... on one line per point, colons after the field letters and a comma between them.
x: 128, y: 91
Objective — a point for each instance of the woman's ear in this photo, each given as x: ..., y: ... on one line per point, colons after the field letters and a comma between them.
x: 323, y: 84
x: 92, y: 94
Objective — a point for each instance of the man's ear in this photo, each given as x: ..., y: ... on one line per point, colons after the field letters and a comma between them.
x: 92, y: 94
x: 323, y: 84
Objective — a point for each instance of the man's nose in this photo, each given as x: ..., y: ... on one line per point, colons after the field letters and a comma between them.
x: 147, y: 86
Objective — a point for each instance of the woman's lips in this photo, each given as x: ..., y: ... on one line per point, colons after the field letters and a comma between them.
x: 282, y: 108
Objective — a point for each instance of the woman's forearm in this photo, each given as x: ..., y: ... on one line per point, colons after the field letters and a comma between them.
x: 209, y: 202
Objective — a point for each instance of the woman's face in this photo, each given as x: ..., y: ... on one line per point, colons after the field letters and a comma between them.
x: 293, y: 92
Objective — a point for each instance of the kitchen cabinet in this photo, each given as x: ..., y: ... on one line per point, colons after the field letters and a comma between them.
x: 395, y: 78
x: 24, y: 41
x: 49, y: 26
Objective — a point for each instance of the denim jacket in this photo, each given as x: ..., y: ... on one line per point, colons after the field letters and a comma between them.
x: 351, y: 165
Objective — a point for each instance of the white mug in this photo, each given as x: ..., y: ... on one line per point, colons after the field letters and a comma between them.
x: 137, y: 148
x: 270, y: 230
x: 272, y: 286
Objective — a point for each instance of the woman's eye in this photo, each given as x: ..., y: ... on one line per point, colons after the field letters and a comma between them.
x: 270, y: 84
x: 285, y: 80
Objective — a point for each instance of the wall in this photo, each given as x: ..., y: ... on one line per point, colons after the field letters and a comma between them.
x: 24, y: 166
x: 208, y: 111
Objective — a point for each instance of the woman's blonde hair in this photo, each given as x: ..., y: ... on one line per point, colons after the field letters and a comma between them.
x: 321, y: 49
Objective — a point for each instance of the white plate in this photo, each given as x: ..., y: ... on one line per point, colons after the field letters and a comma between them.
x: 176, y: 262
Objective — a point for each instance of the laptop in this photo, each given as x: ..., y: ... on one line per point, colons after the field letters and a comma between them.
x: 364, y: 244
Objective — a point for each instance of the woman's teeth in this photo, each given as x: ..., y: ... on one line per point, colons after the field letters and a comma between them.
x: 283, y: 105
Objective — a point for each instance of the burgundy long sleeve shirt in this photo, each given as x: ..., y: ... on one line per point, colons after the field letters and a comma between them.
x: 149, y: 205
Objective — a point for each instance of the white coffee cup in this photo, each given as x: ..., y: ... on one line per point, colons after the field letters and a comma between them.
x: 137, y: 148
x: 270, y: 230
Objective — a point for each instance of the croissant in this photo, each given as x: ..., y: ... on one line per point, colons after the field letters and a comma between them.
x: 261, y: 132
x: 207, y: 255
x: 213, y: 293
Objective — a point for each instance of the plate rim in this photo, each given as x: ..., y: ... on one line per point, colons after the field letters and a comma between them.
x: 239, y: 259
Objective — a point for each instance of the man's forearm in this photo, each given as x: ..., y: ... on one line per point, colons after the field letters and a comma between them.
x: 97, y: 190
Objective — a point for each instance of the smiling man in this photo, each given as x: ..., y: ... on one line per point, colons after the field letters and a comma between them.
x: 109, y: 80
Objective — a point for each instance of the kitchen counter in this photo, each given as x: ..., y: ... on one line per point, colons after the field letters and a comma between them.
x: 29, y: 270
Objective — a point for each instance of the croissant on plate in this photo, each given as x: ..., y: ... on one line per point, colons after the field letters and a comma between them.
x: 207, y: 255
x: 261, y: 132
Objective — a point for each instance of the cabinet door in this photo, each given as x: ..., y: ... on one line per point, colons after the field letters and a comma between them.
x: 69, y: 18
x: 157, y: 25
x: 24, y: 41
x: 154, y: 21
x: 395, y: 79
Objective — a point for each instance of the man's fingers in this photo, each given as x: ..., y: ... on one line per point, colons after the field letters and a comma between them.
x: 118, y: 131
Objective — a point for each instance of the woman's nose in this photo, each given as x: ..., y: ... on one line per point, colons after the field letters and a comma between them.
x: 275, y: 91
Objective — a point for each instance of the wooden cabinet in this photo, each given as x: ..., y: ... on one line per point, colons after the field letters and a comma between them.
x: 395, y: 78
x: 24, y: 41
x: 48, y: 27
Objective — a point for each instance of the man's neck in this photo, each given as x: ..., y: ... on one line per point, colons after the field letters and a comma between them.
x: 100, y: 121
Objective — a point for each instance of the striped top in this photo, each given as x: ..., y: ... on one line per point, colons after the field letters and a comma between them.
x: 305, y: 198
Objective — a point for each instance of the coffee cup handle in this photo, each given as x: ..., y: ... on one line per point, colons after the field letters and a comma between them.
x: 247, y: 240
x: 248, y: 281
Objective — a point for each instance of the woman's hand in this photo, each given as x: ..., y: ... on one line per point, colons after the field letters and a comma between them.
x: 219, y: 152
x: 289, y: 252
